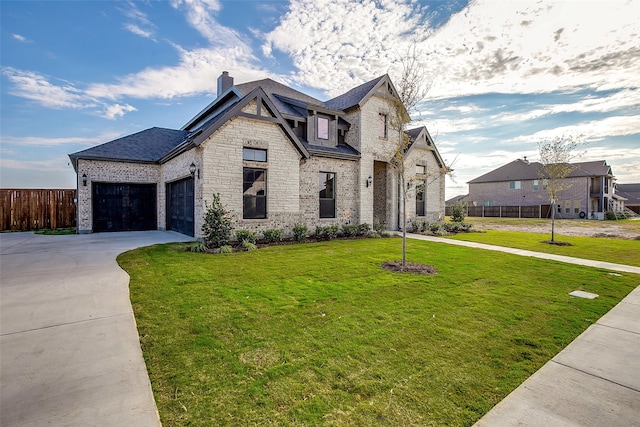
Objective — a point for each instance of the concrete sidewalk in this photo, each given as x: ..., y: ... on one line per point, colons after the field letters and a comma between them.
x: 69, y: 348
x: 594, y: 381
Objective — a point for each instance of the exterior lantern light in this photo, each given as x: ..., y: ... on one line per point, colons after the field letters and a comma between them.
x: 369, y: 181
x: 192, y: 169
x: 84, y: 179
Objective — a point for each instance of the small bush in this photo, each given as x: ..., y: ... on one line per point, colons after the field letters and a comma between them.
x: 216, y: 227
x: 437, y: 229
x: 226, y: 249
x: 329, y: 232
x: 271, y: 236
x: 611, y: 215
x: 364, y: 229
x: 419, y: 226
x: 246, y: 236
x: 378, y: 226
x: 198, y: 247
x: 300, y: 232
x: 350, y: 230
x: 458, y: 212
x: 249, y: 246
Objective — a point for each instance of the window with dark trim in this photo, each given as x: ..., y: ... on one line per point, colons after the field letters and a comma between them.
x: 327, y: 194
x: 254, y: 154
x: 323, y: 127
x: 514, y: 185
x: 421, y: 198
x: 254, y: 193
x: 382, y: 125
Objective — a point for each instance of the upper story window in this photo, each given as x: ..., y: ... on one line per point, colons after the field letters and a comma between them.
x: 382, y: 125
x: 254, y: 154
x: 514, y: 185
x: 421, y: 170
x: 323, y: 127
x: 536, y: 185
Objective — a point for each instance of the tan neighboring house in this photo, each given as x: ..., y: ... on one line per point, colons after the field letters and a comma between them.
x: 276, y: 156
x: 588, y: 189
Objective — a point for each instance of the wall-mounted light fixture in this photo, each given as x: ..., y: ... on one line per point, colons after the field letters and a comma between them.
x: 192, y: 169
x: 84, y: 179
x: 369, y: 181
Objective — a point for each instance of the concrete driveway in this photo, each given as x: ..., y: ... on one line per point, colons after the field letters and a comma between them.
x: 69, y: 348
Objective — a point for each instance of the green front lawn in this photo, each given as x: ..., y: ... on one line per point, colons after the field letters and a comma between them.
x: 618, y: 251
x: 320, y: 334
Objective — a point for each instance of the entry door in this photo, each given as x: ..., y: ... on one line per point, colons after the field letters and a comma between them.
x: 180, y: 206
x: 124, y: 207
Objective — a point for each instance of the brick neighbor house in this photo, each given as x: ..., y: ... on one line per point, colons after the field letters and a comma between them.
x: 276, y: 156
x: 588, y: 193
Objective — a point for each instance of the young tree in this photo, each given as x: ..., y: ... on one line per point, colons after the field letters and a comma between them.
x: 412, y: 88
x: 216, y: 226
x: 555, y: 157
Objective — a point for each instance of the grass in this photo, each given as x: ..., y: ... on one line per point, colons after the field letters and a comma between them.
x: 627, y: 224
x: 56, y: 232
x: 596, y: 248
x: 320, y: 334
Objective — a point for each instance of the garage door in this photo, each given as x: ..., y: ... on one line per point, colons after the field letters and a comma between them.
x: 180, y: 203
x: 124, y: 207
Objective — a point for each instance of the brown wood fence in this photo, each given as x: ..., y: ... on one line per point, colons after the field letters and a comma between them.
x: 538, y: 211
x: 26, y: 209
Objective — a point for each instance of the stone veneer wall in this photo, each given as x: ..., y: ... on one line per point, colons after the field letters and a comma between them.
x: 347, y: 187
x: 435, y: 184
x: 177, y: 169
x: 114, y: 172
x: 222, y: 166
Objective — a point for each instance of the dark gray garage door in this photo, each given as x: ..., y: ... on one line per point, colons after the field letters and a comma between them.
x: 124, y: 207
x: 180, y: 204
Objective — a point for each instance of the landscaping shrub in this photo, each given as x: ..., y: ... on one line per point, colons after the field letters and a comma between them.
x: 216, y: 227
x: 364, y: 229
x: 611, y: 215
x: 458, y: 212
x: 246, y: 236
x: 272, y: 236
x: 300, y: 232
x: 350, y: 230
x: 226, y: 249
x: 378, y: 226
x: 437, y: 229
x: 329, y: 232
x: 249, y: 246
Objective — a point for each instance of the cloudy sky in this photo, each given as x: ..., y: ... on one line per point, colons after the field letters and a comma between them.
x: 504, y: 75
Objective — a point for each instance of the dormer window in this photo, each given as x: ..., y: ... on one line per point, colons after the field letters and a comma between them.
x: 323, y: 127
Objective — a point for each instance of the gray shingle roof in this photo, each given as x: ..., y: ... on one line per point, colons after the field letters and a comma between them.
x: 353, y: 96
x: 147, y: 146
x: 271, y: 87
x: 629, y: 191
x: 522, y: 170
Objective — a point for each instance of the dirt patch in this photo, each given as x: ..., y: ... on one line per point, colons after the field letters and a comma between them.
x: 609, y: 229
x: 410, y: 267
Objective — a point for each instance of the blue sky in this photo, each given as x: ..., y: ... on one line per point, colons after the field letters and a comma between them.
x: 504, y: 74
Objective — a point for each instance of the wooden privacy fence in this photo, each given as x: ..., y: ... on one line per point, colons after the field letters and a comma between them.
x: 26, y: 209
x: 538, y: 211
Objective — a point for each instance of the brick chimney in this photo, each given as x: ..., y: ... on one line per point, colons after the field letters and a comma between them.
x: 225, y: 81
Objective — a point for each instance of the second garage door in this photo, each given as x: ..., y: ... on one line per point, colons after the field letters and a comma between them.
x: 124, y: 207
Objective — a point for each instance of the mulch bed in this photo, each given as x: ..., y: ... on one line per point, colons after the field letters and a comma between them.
x: 557, y: 243
x: 410, y: 267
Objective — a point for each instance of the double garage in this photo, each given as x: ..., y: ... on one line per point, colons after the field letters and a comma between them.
x: 133, y: 207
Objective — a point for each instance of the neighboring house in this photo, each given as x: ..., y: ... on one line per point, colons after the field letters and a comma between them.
x: 276, y: 156
x: 457, y: 199
x: 631, y: 192
x: 588, y: 189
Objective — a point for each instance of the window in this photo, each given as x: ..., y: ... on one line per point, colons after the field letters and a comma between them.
x: 536, y: 185
x: 567, y: 206
x: 576, y: 206
x: 545, y: 183
x: 421, y: 170
x: 327, y: 194
x: 254, y: 193
x: 323, y: 128
x: 488, y: 203
x: 382, y: 125
x: 514, y: 185
x: 254, y: 154
x: 421, y: 198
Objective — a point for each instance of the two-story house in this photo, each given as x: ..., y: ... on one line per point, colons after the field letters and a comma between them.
x: 276, y: 156
x: 588, y: 189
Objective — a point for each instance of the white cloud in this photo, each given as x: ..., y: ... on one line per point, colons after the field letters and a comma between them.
x: 135, y: 29
x: 117, y: 110
x: 38, y: 141
x: 36, y: 87
x: 20, y: 38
